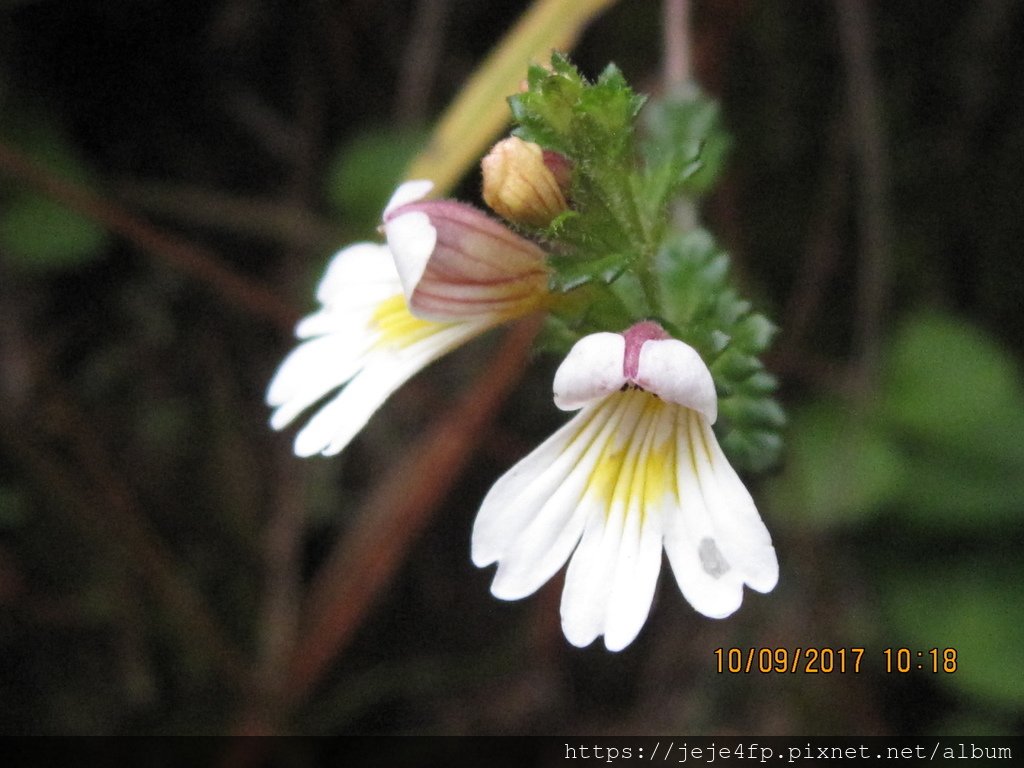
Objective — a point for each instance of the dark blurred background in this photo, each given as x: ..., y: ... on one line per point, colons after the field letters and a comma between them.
x: 166, y: 564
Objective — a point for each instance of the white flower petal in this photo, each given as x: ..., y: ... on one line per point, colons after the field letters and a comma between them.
x: 360, y: 275
x: 591, y: 370
x: 674, y: 371
x: 384, y: 371
x: 312, y: 370
x: 637, y: 470
x: 411, y: 238
x: 408, y: 192
x: 591, y: 576
x: 740, y: 533
x: 709, y: 570
x: 589, y: 579
x: 365, y: 342
x: 634, y: 474
x: 511, y: 504
x: 337, y: 321
x: 534, y: 529
x: 639, y: 563
x: 636, y: 578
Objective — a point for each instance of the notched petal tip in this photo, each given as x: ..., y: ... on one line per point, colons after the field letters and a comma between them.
x: 591, y: 370
x: 763, y: 576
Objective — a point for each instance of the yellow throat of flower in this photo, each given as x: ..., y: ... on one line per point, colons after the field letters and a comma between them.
x: 636, y: 464
x: 397, y: 326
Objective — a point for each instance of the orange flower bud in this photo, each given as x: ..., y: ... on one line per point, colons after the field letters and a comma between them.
x: 519, y: 185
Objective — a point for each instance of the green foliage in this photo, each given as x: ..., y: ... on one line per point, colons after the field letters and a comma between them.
x: 563, y: 112
x: 700, y: 308
x: 37, y: 234
x: 592, y: 125
x: 40, y: 235
x: 618, y: 235
x: 841, y: 468
x: 686, y: 145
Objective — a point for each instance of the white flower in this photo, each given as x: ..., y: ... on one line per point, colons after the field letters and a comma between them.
x: 638, y: 469
x: 463, y: 269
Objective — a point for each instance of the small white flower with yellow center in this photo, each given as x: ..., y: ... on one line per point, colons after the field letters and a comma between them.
x: 638, y: 469
x: 445, y: 261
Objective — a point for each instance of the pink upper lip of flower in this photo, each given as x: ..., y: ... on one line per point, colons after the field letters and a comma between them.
x: 644, y: 356
x: 636, y: 336
x: 456, y: 262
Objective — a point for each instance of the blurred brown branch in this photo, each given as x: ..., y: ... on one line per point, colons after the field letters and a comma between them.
x: 678, y: 58
x: 397, y: 510
x: 194, y: 261
x: 289, y: 224
x: 420, y: 61
x: 868, y: 136
x: 820, y: 257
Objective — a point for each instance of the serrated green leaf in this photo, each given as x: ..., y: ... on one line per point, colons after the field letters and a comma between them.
x: 751, y: 449
x: 734, y: 366
x: 754, y: 333
x: 761, y: 382
x: 570, y: 274
x: 681, y: 128
x: 754, y: 412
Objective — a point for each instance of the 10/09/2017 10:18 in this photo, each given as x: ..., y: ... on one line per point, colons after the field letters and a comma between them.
x: 827, y: 660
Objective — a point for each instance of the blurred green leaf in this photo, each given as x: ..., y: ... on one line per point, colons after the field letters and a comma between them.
x: 840, y: 468
x: 36, y: 233
x: 685, y: 137
x: 952, y: 400
x: 950, y: 384
x: 365, y: 171
x: 979, y: 611
x: 941, y: 447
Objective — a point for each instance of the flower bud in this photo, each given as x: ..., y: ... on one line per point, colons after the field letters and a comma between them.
x: 520, y: 186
